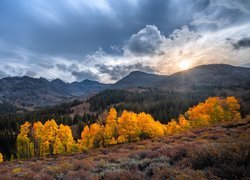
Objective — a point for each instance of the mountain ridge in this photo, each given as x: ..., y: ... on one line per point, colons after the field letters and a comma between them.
x: 37, y: 92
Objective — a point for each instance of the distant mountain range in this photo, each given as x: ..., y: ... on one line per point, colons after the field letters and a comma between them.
x: 30, y: 92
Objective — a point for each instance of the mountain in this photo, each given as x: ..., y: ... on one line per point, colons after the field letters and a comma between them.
x: 208, y: 76
x: 31, y: 92
x: 137, y: 79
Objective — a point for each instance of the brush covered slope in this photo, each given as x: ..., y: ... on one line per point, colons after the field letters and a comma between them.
x: 212, y: 152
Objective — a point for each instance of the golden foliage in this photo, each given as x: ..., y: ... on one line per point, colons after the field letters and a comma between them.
x: 111, y: 127
x: 213, y: 110
x: 24, y: 144
x: 149, y: 128
x: 1, y: 157
x: 66, y: 139
x: 39, y: 140
x: 51, y: 139
x: 132, y: 127
x: 92, y: 137
x: 128, y: 129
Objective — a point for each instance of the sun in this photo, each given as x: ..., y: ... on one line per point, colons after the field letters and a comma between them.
x: 184, y: 65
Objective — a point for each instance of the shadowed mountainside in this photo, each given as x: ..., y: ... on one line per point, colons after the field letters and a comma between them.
x: 208, y: 76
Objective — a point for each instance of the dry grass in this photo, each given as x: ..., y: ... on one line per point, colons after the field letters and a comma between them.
x: 216, y: 152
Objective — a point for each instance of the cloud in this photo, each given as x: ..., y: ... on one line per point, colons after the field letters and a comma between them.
x: 30, y: 74
x: 82, y: 75
x: 3, y: 74
x: 146, y: 41
x: 119, y: 71
x: 242, y: 43
x: 102, y: 40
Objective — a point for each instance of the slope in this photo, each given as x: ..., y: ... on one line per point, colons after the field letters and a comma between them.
x: 218, y: 151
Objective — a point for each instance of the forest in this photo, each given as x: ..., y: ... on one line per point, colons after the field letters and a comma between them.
x: 38, y: 139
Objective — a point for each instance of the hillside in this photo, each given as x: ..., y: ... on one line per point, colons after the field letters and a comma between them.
x: 220, y: 76
x: 215, y: 152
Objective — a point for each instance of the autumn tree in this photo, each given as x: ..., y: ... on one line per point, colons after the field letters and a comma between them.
x: 172, y: 127
x: 213, y: 110
x: 1, y: 157
x: 128, y: 129
x: 84, y: 143
x: 149, y: 128
x: 66, y: 138
x: 111, y: 127
x: 183, y: 122
x: 50, y: 138
x: 38, y: 134
x: 232, y: 108
x: 24, y: 144
x: 97, y: 135
x: 92, y: 137
x: 39, y: 139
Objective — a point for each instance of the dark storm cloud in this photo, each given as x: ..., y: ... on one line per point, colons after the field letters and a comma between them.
x: 30, y: 74
x: 45, y: 65
x: 222, y: 13
x: 119, y: 71
x: 82, y: 75
x: 57, y: 27
x: 62, y: 67
x: 242, y: 43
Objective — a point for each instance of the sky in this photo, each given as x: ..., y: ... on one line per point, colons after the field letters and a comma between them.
x: 105, y: 40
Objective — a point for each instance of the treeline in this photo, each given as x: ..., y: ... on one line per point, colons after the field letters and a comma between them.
x: 162, y: 105
x: 49, y: 138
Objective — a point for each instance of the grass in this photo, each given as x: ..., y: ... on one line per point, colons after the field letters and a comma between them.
x: 215, y: 152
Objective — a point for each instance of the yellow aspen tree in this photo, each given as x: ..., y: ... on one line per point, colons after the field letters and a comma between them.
x: 149, y: 128
x: 24, y: 145
x: 183, y: 122
x: 97, y: 135
x: 198, y: 115
x: 214, y: 110
x: 173, y: 127
x: 84, y: 142
x: 159, y: 129
x: 128, y: 129
x: 111, y: 127
x: 66, y: 138
x: 38, y: 136
x: 233, y: 108
x: 1, y: 157
x: 50, y: 138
